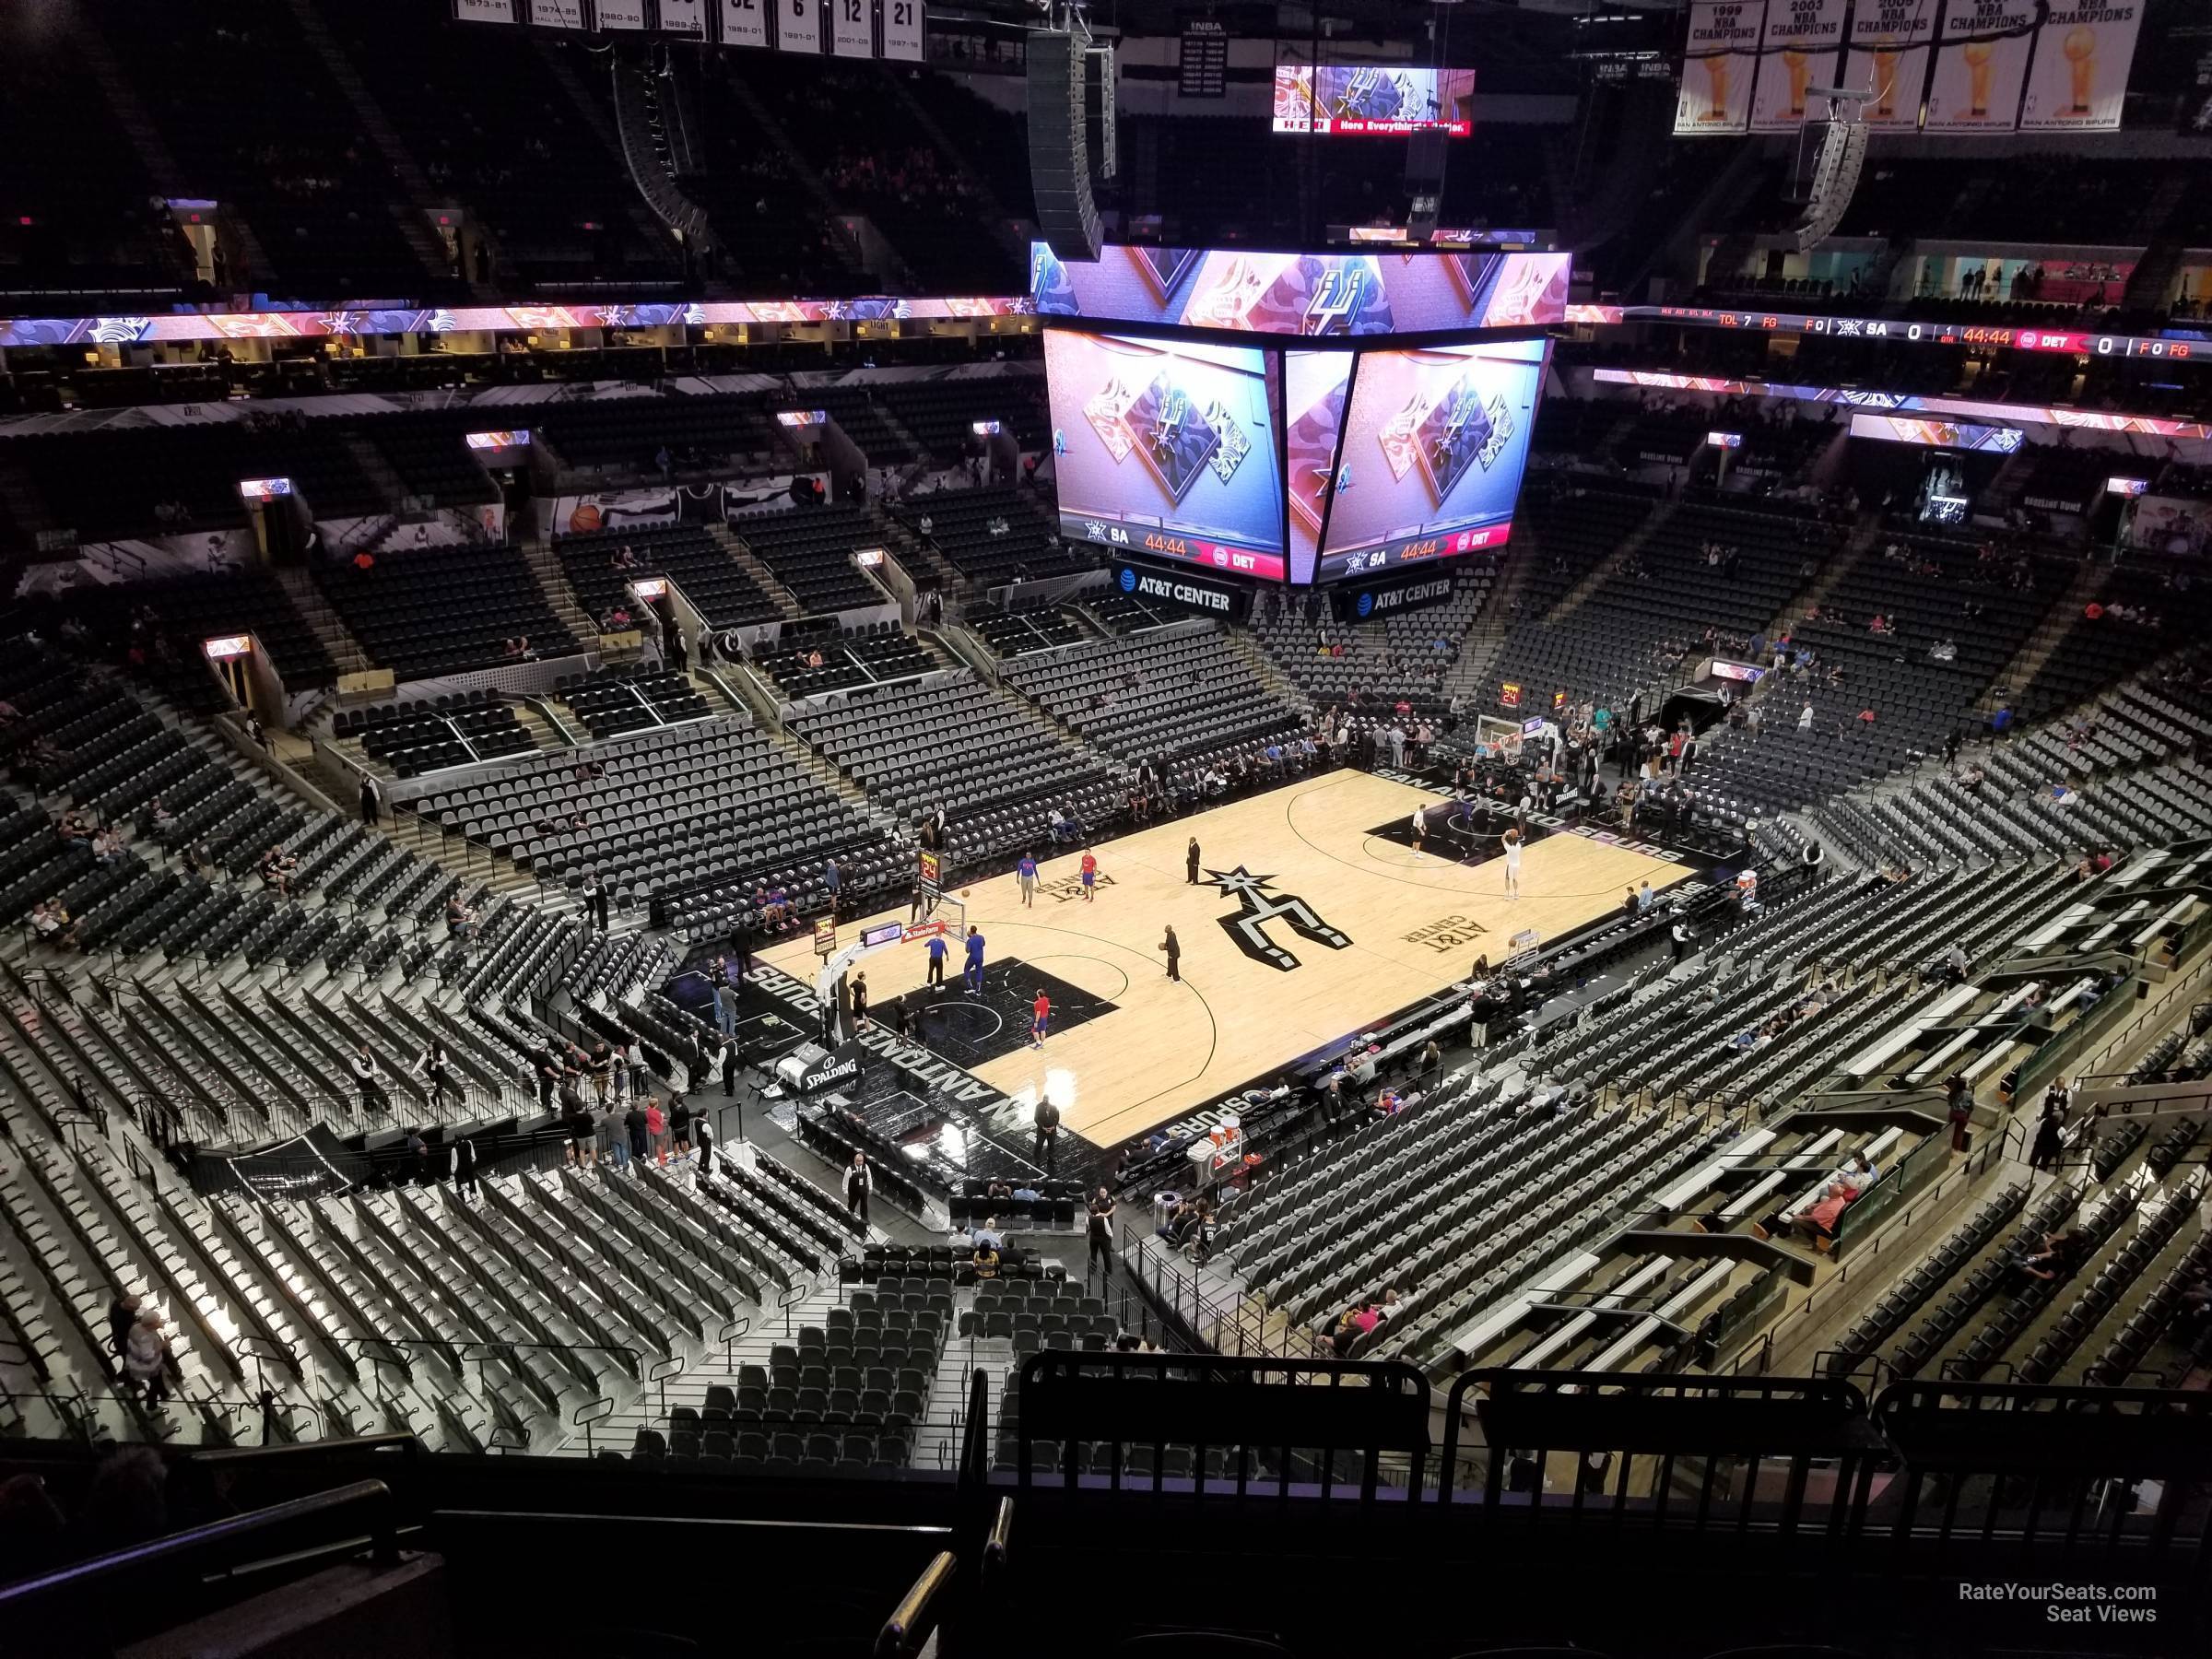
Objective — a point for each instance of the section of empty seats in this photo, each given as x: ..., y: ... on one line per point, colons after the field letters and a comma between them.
x: 602, y: 565
x: 811, y: 658
x: 708, y: 821
x: 810, y: 550
x: 988, y: 759
x: 291, y: 159
x: 1400, y: 658
x: 2140, y: 613
x: 611, y: 701
x: 992, y: 536
x: 943, y: 414
x: 1012, y: 633
x: 658, y: 437
x: 413, y: 738
x: 486, y: 125
x: 445, y: 610
x: 1157, y: 697
x: 154, y: 625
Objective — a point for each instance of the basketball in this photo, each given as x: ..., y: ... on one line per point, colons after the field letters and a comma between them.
x: 966, y: 892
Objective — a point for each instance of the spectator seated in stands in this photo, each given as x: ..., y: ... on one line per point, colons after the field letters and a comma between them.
x: 2060, y: 1258
x: 50, y: 920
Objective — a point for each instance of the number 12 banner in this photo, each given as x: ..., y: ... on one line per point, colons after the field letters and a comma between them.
x: 852, y: 28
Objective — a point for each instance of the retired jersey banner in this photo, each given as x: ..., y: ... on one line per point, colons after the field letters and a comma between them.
x: 557, y: 14
x: 685, y: 17
x: 852, y: 28
x: 622, y: 14
x: 1719, y: 66
x: 902, y: 30
x: 745, y: 22
x: 484, y: 11
x: 1980, y: 65
x: 1803, y: 46
x: 1891, y: 41
x: 2083, y: 53
x: 799, y: 26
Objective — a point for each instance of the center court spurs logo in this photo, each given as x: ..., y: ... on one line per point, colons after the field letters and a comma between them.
x: 1248, y: 928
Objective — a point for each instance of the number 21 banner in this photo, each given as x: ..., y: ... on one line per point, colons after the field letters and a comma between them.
x: 2083, y: 53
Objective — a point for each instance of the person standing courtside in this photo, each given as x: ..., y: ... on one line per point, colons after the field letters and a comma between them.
x: 1025, y: 877
x: 1048, y: 1132
x: 1101, y: 1228
x: 1174, y: 946
x: 858, y: 1179
x: 1190, y: 864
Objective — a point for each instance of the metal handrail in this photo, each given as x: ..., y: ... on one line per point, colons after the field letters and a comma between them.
x: 135, y: 1560
x: 915, y: 1615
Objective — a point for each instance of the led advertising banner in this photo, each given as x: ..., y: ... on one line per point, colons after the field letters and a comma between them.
x: 852, y: 28
x: 745, y: 22
x: 1891, y: 41
x: 1384, y: 100
x: 799, y: 26
x: 2178, y: 524
x: 902, y: 30
x: 1434, y: 446
x: 2078, y: 77
x: 181, y: 327
x: 1981, y: 63
x: 1937, y: 434
x: 1314, y: 385
x: 1168, y: 449
x: 1311, y: 294
x: 1970, y: 408
x: 1719, y: 67
x: 1803, y: 46
x: 2176, y: 345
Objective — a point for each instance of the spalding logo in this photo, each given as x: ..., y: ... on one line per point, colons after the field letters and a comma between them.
x: 1129, y: 582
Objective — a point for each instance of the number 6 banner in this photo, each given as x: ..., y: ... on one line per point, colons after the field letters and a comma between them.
x: 799, y: 26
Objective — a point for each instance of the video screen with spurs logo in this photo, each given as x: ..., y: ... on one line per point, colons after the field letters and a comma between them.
x: 1376, y: 100
x: 1435, y: 445
x: 1169, y: 449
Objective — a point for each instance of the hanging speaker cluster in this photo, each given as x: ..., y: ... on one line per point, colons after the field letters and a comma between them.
x: 1059, y: 147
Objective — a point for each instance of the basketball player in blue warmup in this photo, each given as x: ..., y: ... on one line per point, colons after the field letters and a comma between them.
x: 974, y: 973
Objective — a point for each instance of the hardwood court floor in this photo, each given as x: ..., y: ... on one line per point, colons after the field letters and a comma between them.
x: 1410, y: 923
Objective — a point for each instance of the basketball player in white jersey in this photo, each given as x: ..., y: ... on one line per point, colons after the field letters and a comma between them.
x: 1512, y: 864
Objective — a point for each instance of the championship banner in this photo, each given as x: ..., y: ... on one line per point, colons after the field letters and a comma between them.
x: 1718, y: 69
x: 1891, y: 45
x: 745, y: 22
x: 1803, y: 46
x: 799, y: 26
x: 2083, y: 53
x: 1980, y: 66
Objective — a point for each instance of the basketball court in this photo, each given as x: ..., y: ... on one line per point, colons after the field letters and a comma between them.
x: 1307, y: 924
